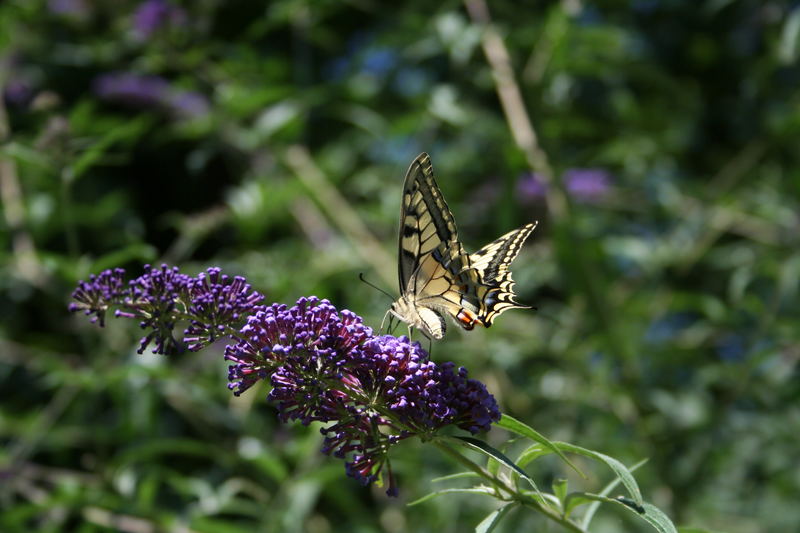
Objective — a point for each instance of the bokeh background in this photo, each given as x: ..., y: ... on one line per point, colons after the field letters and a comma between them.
x: 271, y: 138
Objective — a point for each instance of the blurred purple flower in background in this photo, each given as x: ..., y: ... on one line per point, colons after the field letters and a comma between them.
x: 145, y: 91
x: 18, y: 93
x: 188, y: 104
x: 153, y: 15
x: 531, y: 186
x: 132, y: 89
x: 78, y: 9
x: 587, y: 184
x: 582, y: 184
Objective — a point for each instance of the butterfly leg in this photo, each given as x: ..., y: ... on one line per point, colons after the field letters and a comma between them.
x: 388, y: 313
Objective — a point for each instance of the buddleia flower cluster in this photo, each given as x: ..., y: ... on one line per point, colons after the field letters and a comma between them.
x: 214, y: 304
x: 369, y: 391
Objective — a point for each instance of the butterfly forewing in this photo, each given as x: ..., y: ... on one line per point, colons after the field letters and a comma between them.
x: 426, y: 223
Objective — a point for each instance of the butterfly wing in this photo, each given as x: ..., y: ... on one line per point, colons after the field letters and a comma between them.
x: 492, y: 262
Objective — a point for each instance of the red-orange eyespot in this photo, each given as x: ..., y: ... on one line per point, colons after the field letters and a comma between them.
x: 466, y: 319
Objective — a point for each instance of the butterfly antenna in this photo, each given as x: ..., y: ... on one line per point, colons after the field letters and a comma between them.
x: 362, y: 278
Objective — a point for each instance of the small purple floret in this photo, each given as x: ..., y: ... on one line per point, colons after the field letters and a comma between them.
x: 218, y: 302
x: 94, y: 297
x: 152, y: 298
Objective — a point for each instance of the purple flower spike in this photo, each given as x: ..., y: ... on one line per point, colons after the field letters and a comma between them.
x: 93, y: 297
x: 153, y: 297
x: 326, y: 366
x: 420, y: 394
x: 310, y: 333
x: 218, y: 303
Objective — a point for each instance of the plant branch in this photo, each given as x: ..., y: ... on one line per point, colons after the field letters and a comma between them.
x: 510, y: 96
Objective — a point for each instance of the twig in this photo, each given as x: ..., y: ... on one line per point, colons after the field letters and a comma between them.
x: 341, y: 213
x: 517, y: 117
x: 25, y: 258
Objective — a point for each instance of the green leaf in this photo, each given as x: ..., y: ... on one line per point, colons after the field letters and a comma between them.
x: 576, y: 499
x: 587, y: 518
x: 488, y: 524
x: 459, y: 475
x: 515, y: 426
x: 92, y: 155
x: 496, y: 454
x: 560, y: 489
x: 531, y: 453
x: 646, y: 511
x: 619, y: 469
x: 488, y: 491
x: 656, y: 518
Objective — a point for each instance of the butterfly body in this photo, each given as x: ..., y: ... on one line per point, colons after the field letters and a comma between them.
x: 437, y: 277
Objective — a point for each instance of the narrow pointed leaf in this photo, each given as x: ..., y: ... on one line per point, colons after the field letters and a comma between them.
x: 619, y: 469
x: 646, y: 511
x: 459, y: 475
x: 474, y: 490
x: 499, y: 456
x: 531, y: 453
x: 515, y: 426
x: 656, y: 518
x: 587, y: 517
x: 488, y: 524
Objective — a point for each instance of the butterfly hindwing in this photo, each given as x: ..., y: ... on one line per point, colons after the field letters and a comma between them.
x: 492, y: 264
x: 437, y: 277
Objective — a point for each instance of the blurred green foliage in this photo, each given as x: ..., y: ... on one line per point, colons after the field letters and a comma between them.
x: 267, y: 137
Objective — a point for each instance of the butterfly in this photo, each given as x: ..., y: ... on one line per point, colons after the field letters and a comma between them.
x: 437, y: 277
